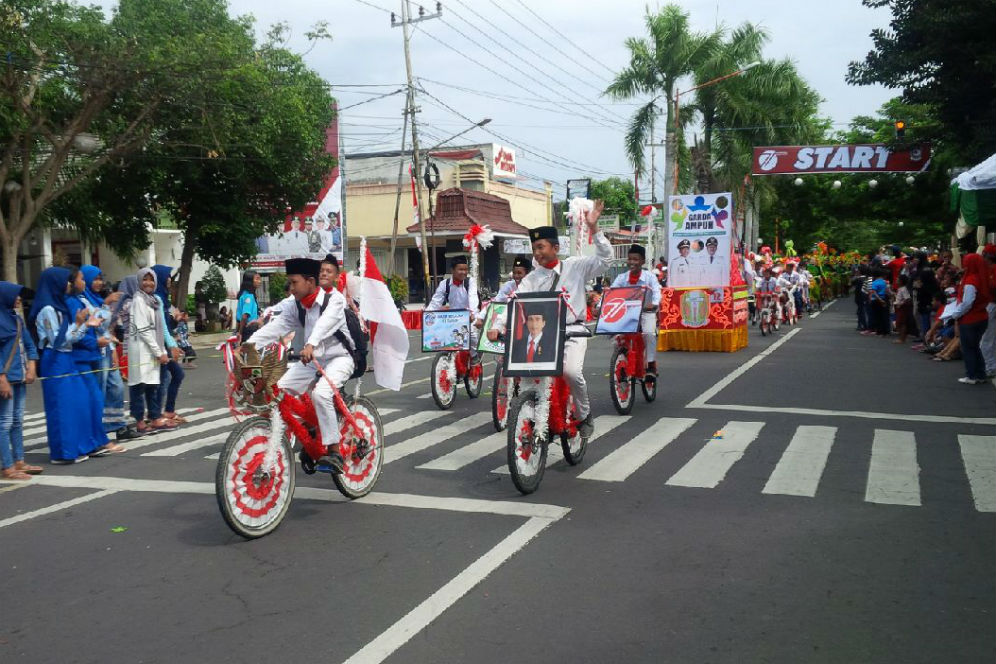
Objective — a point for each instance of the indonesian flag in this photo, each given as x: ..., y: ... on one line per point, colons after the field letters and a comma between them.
x: 389, y: 346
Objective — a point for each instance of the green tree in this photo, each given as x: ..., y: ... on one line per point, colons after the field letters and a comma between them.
x: 619, y: 196
x: 940, y: 54
x: 670, y: 51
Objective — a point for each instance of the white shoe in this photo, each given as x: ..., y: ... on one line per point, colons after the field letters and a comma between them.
x: 970, y: 381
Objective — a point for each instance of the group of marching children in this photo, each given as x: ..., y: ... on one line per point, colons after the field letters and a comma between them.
x: 84, y: 341
x: 783, y: 283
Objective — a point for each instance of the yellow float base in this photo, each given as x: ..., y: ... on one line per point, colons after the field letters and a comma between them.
x: 720, y: 341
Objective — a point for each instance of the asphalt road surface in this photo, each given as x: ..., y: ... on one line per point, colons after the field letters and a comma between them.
x: 818, y: 497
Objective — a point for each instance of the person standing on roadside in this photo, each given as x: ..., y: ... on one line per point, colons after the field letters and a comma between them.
x: 972, y: 299
x: 988, y: 344
x: 146, y: 354
x: 18, y: 356
x: 171, y: 373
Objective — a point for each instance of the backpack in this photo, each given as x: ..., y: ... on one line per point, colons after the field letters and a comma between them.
x: 356, y: 342
x: 446, y: 294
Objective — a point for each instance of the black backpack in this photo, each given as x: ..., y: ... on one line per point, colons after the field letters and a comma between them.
x: 356, y: 342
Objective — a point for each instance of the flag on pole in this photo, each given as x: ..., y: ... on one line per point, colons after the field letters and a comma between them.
x: 389, y: 346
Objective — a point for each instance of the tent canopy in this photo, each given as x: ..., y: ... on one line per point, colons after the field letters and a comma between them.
x: 973, y: 194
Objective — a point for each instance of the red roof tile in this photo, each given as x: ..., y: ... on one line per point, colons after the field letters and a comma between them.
x: 459, y: 209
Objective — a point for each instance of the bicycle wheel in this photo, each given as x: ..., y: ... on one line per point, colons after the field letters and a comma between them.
x: 526, y: 454
x: 765, y: 323
x: 443, y: 385
x: 361, y: 468
x: 474, y: 379
x: 499, y: 398
x: 254, y: 499
x: 649, y: 392
x: 574, y: 446
x: 620, y: 383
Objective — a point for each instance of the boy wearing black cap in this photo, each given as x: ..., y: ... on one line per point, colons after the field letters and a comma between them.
x: 316, y: 315
x: 456, y: 291
x: 637, y: 276
x: 570, y: 275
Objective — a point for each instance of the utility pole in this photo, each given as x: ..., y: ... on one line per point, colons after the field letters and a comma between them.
x: 397, y: 201
x: 406, y: 20
x: 652, y: 240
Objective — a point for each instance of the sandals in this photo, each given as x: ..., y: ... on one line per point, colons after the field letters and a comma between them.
x: 24, y: 467
x: 13, y: 473
x: 163, y: 424
x: 178, y: 419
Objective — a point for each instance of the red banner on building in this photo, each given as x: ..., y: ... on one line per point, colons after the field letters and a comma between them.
x: 866, y: 158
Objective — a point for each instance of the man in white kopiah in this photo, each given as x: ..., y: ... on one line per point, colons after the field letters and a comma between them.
x: 571, y: 274
x: 637, y: 276
x: 316, y: 316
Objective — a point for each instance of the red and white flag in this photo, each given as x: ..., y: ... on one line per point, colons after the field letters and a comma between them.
x: 389, y: 342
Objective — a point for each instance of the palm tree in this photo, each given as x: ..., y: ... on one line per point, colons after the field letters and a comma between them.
x: 670, y: 51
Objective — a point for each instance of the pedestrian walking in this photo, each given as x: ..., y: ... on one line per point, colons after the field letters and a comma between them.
x: 18, y: 358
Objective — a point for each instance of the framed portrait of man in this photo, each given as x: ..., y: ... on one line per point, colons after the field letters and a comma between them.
x: 621, y: 309
x: 534, y: 335
x: 496, y: 311
x: 446, y: 330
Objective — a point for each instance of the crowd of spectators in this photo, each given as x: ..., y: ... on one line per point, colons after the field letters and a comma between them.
x: 947, y: 311
x: 86, y: 342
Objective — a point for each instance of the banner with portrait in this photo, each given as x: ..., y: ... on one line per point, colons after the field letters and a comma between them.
x: 700, y: 232
x: 535, y: 334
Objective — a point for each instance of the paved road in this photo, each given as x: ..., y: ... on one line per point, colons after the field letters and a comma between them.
x: 819, y: 497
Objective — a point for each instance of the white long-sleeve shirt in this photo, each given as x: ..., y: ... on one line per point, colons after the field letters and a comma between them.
x: 574, y: 274
x: 646, y: 279
x: 463, y: 296
x: 319, y: 326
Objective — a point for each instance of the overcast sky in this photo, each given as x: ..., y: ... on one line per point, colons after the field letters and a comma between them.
x: 570, y: 137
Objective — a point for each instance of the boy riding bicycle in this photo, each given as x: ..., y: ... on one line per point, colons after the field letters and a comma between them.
x: 570, y: 274
x: 637, y: 276
x: 319, y: 317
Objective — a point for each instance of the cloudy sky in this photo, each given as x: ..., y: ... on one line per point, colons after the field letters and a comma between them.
x: 502, y: 59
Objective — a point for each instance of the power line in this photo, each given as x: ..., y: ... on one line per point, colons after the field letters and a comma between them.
x: 367, y: 101
x: 565, y: 38
x: 370, y: 4
x: 485, y: 93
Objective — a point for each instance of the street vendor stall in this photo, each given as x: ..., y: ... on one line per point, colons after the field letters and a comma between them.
x: 973, y: 197
x: 705, y: 306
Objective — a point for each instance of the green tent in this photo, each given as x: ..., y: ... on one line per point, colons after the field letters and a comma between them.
x: 973, y: 195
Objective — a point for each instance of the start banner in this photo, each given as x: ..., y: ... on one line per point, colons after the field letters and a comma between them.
x: 864, y: 158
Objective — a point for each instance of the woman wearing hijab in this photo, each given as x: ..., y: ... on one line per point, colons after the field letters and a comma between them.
x: 247, y: 311
x: 18, y: 357
x: 109, y: 379
x: 68, y: 429
x: 146, y: 353
x: 973, y: 296
x: 171, y: 374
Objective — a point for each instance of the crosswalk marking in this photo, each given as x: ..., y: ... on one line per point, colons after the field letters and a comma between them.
x: 411, y: 421
x: 177, y: 450
x: 555, y: 453
x: 191, y: 414
x: 468, y: 454
x: 799, y: 471
x: 709, y: 467
x: 213, y: 426
x: 627, y: 459
x: 979, y: 455
x: 434, y: 437
x: 893, y: 475
x: 423, y: 396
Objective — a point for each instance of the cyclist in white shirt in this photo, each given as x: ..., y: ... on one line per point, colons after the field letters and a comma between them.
x: 637, y: 276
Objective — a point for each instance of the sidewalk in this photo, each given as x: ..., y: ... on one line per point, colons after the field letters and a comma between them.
x: 208, y: 340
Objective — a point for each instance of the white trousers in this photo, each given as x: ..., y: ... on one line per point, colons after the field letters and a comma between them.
x: 301, y: 377
x: 648, y: 323
x: 988, y: 345
x: 574, y: 351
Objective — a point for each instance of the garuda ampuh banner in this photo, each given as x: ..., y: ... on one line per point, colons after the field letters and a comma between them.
x: 699, y: 234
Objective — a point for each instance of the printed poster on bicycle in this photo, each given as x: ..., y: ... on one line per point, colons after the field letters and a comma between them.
x: 534, y: 335
x: 445, y: 331
x: 496, y: 311
x: 621, y: 308
x: 700, y: 232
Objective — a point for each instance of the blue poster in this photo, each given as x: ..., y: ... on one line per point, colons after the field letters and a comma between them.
x: 446, y: 330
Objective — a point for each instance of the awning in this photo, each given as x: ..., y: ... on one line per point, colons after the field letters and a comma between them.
x: 973, y: 195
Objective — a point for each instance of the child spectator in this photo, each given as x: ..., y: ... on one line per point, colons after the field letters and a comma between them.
x: 904, y: 308
x: 182, y: 334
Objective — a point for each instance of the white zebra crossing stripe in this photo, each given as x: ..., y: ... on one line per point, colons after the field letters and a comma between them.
x: 626, y: 460
x: 412, y: 421
x: 468, y: 454
x: 220, y: 426
x: 893, y: 475
x: 418, y: 443
x: 709, y: 467
x: 32, y: 443
x: 979, y: 455
x: 177, y: 450
x: 555, y: 452
x: 799, y: 471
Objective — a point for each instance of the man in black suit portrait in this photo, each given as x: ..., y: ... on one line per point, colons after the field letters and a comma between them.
x: 535, y: 346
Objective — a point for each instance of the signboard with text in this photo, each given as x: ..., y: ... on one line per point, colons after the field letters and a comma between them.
x: 864, y: 158
x: 503, y: 161
x: 699, y: 240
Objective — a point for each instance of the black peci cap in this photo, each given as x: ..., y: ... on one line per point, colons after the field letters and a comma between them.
x: 331, y: 260
x: 458, y: 260
x: 522, y: 261
x: 544, y: 233
x: 637, y: 249
x: 306, y: 267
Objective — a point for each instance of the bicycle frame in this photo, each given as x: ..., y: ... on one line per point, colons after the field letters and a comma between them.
x: 636, y: 352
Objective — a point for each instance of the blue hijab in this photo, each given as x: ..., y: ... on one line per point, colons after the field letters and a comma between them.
x: 128, y: 287
x: 91, y: 272
x: 163, y: 273
x: 8, y: 317
x: 51, y: 292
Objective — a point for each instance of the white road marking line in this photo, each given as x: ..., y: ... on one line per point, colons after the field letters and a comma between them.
x: 893, y: 475
x: 214, y: 426
x: 213, y: 457
x: 467, y: 505
x: 425, y: 613
x: 177, y: 450
x: 194, y: 415
x: 419, y: 359
x: 424, y: 396
x: 412, y: 421
x: 398, y: 451
x: 627, y: 459
x: 700, y: 400
x: 799, y: 470
x: 555, y: 452
x: 825, y: 307
x: 942, y: 419
x: 34, y: 416
x: 979, y: 455
x: 468, y: 454
x: 711, y: 464
x: 403, y: 386
x: 54, y: 508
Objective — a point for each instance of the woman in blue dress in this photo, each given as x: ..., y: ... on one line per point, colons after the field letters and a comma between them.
x: 69, y: 429
x: 18, y: 357
x: 171, y: 373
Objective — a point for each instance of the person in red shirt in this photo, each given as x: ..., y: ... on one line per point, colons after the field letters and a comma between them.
x: 896, y: 265
x: 972, y: 316
x: 988, y: 344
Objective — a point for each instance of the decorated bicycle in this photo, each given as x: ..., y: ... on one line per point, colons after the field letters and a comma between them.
x: 626, y: 315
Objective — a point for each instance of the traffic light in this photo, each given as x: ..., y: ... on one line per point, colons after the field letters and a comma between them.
x: 900, y: 129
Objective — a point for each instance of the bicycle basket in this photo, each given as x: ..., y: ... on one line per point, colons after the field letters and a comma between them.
x: 256, y: 376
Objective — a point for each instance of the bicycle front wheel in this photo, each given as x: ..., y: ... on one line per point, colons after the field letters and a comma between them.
x: 443, y: 381
x: 254, y: 495
x: 526, y: 453
x: 499, y: 398
x: 363, y: 451
x: 620, y: 383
